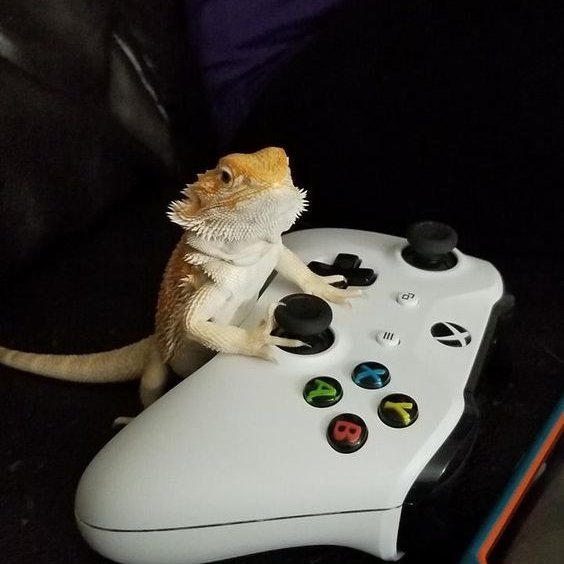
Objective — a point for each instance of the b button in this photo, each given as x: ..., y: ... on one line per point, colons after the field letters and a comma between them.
x: 347, y: 433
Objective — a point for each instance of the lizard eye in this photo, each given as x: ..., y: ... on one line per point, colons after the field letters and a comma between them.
x: 226, y: 176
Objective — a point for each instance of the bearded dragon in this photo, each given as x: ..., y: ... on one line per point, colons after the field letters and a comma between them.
x: 232, y: 218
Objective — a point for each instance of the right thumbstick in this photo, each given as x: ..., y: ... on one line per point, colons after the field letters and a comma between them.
x: 431, y: 245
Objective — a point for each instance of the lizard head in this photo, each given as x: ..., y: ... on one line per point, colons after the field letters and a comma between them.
x: 246, y: 196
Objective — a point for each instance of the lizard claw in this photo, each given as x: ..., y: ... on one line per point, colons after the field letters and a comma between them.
x: 289, y: 343
x: 334, y: 278
x: 261, y: 339
x: 264, y: 340
x: 321, y: 286
x: 266, y: 353
x: 270, y: 319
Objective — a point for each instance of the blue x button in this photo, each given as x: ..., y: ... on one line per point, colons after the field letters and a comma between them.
x: 371, y: 375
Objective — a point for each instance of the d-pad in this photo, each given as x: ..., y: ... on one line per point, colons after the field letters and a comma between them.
x: 347, y: 266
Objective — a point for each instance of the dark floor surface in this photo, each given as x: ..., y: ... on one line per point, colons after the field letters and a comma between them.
x: 537, y: 536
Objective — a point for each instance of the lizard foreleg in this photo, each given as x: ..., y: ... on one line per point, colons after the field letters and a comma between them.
x: 230, y: 338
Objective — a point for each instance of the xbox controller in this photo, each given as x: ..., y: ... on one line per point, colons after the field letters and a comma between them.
x: 331, y: 444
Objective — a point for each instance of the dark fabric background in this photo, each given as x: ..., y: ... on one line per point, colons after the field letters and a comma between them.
x: 398, y: 112
x: 99, y: 102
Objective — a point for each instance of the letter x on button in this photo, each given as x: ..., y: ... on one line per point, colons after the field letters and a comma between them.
x: 371, y: 375
x: 348, y: 266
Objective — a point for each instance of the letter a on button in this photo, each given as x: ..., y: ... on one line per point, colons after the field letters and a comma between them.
x: 323, y: 391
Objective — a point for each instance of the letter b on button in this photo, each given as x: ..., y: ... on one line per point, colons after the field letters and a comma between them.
x: 347, y: 433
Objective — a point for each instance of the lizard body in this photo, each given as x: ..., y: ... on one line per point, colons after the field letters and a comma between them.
x: 233, y: 217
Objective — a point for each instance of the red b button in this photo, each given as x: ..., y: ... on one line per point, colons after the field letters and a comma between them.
x: 347, y: 433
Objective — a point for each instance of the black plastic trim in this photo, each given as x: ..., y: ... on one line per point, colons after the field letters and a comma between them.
x: 454, y: 452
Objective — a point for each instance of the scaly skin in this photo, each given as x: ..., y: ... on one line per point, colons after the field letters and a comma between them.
x: 233, y: 217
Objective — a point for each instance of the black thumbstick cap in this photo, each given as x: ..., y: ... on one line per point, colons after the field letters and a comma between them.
x: 431, y: 245
x: 306, y: 318
x: 432, y: 238
x: 303, y: 314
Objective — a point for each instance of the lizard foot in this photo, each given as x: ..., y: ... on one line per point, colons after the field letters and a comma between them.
x: 263, y: 340
x: 321, y: 286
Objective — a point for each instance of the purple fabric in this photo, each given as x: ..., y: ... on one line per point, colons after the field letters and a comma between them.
x: 239, y: 43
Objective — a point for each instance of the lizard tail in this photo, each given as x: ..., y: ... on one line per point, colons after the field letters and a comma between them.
x: 119, y: 365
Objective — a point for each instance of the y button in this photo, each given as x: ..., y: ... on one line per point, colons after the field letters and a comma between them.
x: 398, y: 410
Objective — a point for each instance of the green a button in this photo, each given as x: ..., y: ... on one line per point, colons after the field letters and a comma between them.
x: 323, y: 391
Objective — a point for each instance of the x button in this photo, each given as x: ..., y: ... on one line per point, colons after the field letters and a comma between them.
x: 371, y: 375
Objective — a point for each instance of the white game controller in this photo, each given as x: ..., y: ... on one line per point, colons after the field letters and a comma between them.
x: 325, y: 448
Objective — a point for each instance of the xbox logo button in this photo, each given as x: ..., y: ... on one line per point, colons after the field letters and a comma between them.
x: 451, y: 334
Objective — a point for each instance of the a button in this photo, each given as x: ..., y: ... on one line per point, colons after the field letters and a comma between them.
x: 346, y: 265
x: 388, y: 338
x: 323, y: 391
x: 408, y: 299
x: 398, y: 410
x: 347, y: 433
x: 371, y: 375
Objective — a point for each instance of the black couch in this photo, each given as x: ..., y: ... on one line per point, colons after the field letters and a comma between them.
x: 392, y: 113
